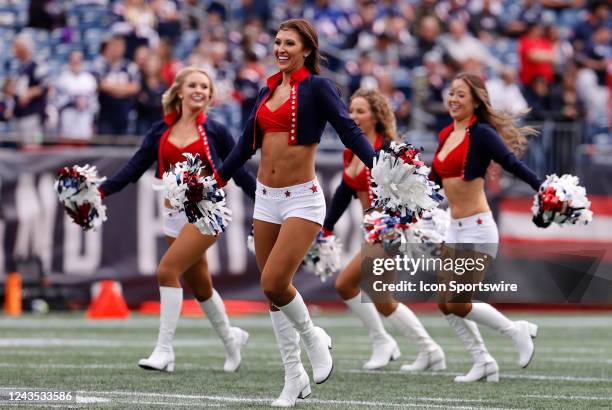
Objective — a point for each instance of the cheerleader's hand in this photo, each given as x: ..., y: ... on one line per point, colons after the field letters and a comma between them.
x: 78, y: 189
x: 561, y: 200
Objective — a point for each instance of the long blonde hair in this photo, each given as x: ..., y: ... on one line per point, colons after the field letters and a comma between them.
x: 504, y: 122
x: 382, y: 112
x: 170, y: 99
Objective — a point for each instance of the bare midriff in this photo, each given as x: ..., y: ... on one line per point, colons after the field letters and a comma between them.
x: 284, y: 165
x: 465, y: 198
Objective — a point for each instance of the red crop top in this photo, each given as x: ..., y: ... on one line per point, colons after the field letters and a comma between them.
x: 278, y: 120
x: 453, y: 164
x: 361, y: 182
x: 170, y: 154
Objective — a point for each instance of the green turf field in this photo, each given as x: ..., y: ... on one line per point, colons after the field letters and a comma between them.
x: 572, y: 367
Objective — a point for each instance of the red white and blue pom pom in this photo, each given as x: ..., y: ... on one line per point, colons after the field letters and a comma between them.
x: 431, y: 227
x: 401, y: 181
x: 77, y: 189
x: 389, y: 229
x: 202, y: 200
x: 561, y: 200
x: 323, y: 257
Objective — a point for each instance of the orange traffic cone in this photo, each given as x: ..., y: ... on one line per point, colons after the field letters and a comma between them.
x: 12, y: 294
x: 108, y: 304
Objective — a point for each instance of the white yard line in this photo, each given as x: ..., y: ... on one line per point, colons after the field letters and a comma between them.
x: 502, y: 375
x: 569, y: 398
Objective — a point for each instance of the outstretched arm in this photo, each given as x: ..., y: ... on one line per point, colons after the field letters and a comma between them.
x: 137, y: 165
x: 339, y: 203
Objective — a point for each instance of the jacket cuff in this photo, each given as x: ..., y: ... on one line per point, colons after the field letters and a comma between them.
x: 102, y: 193
x: 219, y: 180
x: 326, y: 232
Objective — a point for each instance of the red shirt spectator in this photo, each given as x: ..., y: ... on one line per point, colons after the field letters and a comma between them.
x: 536, y: 54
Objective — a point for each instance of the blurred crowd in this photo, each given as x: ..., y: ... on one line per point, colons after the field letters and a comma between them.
x: 77, y: 68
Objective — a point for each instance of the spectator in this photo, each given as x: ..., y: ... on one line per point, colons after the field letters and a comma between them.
x: 361, y: 35
x: 7, y: 100
x: 118, y: 83
x: 192, y: 15
x: 169, y: 64
x: 141, y: 58
x: 598, y: 15
x: 138, y: 25
x: 505, y: 94
x: 462, y: 46
x: 595, y: 99
x: 248, y: 82
x: 46, y: 14
x: 541, y: 99
x: 598, y: 53
x: 149, y: 100
x: 76, y: 100
x: 168, y: 20
x: 293, y: 9
x: 428, y: 32
x: 331, y: 23
x: 253, y: 8
x: 520, y: 14
x: 401, y: 105
x: 485, y: 23
x: 31, y: 92
x: 562, y: 49
x: 536, y: 55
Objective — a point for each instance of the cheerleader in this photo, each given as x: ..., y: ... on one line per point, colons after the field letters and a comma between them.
x: 478, y: 135
x: 185, y: 129
x: 287, y: 122
x: 372, y: 113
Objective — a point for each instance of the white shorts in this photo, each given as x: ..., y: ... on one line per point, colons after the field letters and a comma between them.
x: 304, y: 201
x: 173, y: 222
x: 480, y: 230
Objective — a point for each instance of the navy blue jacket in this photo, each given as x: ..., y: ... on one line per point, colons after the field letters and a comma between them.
x: 485, y: 145
x: 315, y: 101
x: 220, y: 142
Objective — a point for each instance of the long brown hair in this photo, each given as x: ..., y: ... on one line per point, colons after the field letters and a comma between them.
x: 382, y: 112
x: 310, y: 40
x: 504, y: 122
x: 170, y: 99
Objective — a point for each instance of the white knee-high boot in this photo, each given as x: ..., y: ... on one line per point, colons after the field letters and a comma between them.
x: 431, y: 355
x: 484, y: 364
x: 520, y: 332
x: 162, y: 358
x: 233, y: 337
x: 316, y: 342
x: 384, y: 347
x: 297, y: 383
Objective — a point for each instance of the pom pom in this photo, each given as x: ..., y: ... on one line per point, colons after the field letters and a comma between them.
x: 77, y: 189
x: 401, y: 182
x: 199, y: 197
x: 431, y: 227
x: 561, y: 200
x: 323, y: 257
x: 388, y: 229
